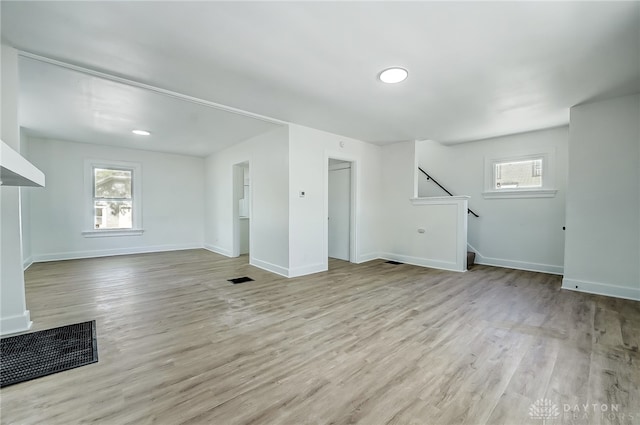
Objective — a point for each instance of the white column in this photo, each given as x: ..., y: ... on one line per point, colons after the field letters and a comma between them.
x: 14, y: 316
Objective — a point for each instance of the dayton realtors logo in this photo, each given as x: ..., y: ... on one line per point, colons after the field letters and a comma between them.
x: 605, y: 413
x: 544, y: 409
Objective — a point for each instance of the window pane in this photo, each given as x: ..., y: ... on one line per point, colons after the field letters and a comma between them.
x: 112, y: 215
x: 112, y: 183
x: 518, y: 174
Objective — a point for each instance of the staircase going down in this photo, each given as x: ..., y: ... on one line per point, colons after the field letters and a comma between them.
x: 471, y: 258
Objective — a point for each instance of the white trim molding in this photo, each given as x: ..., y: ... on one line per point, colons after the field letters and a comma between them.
x: 15, y: 324
x: 306, y: 270
x: 423, y: 262
x: 218, y: 250
x: 363, y: 258
x: 75, y: 255
x: 265, y: 265
x: 515, y: 264
x: 155, y: 89
x: 605, y: 289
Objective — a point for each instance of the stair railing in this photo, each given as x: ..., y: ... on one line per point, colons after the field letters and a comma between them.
x: 469, y: 211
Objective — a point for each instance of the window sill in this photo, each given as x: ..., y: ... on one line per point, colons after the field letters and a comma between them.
x: 114, y: 232
x: 524, y: 193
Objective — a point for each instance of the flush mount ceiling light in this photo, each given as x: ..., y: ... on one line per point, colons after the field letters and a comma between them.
x: 141, y: 132
x: 393, y: 75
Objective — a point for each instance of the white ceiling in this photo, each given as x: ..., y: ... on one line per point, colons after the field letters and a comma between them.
x: 56, y: 102
x: 476, y: 69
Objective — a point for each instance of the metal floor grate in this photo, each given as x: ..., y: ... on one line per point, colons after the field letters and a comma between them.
x: 240, y: 280
x: 37, y: 354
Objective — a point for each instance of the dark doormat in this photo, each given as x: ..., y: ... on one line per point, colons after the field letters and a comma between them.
x: 394, y: 262
x: 37, y: 354
x: 240, y: 280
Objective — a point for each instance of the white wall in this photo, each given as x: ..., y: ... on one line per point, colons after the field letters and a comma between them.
x: 268, y: 156
x: 603, y: 207
x: 25, y: 208
x: 437, y: 246
x: 309, y: 151
x: 14, y: 316
x: 172, y: 201
x: 518, y: 233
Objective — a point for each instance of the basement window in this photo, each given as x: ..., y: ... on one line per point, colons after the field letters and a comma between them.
x: 529, y: 176
x: 523, y: 174
x: 113, y: 198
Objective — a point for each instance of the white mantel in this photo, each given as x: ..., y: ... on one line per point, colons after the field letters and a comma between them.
x: 16, y: 170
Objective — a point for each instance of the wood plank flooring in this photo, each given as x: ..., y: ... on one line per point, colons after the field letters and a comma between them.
x: 373, y: 343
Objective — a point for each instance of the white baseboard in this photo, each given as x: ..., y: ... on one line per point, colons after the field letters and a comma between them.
x: 27, y: 263
x: 111, y: 252
x: 419, y: 261
x: 305, y: 270
x: 601, y: 289
x: 265, y: 265
x: 513, y: 264
x: 363, y: 258
x: 217, y: 250
x: 15, y: 324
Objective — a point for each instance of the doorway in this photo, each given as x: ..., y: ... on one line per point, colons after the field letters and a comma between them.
x: 340, y: 208
x: 241, y: 209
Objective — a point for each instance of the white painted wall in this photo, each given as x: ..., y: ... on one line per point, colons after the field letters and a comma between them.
x: 14, y: 316
x: 438, y: 245
x: 268, y: 155
x: 603, y: 207
x: 309, y: 150
x: 25, y: 207
x: 517, y: 233
x: 172, y: 201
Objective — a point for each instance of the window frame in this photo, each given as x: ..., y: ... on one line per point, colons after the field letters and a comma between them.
x: 547, y: 190
x: 136, y: 198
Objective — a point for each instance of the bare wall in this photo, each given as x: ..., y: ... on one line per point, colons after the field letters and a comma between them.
x: 172, y: 201
x: 603, y: 207
x: 268, y: 157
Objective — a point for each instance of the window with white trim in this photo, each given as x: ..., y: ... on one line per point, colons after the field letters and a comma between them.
x: 112, y: 198
x: 526, y: 176
x: 113, y: 195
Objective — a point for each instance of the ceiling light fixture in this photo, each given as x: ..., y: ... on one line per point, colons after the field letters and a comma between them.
x: 393, y: 75
x: 141, y: 132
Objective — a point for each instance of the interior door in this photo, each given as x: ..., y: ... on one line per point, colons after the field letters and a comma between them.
x: 340, y: 212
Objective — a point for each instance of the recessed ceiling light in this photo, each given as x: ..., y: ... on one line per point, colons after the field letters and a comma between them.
x: 393, y: 75
x: 141, y: 132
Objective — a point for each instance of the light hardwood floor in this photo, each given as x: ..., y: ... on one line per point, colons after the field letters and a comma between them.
x: 372, y: 344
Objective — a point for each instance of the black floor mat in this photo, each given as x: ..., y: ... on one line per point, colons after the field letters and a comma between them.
x: 33, y: 355
x: 240, y: 280
x: 393, y: 262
